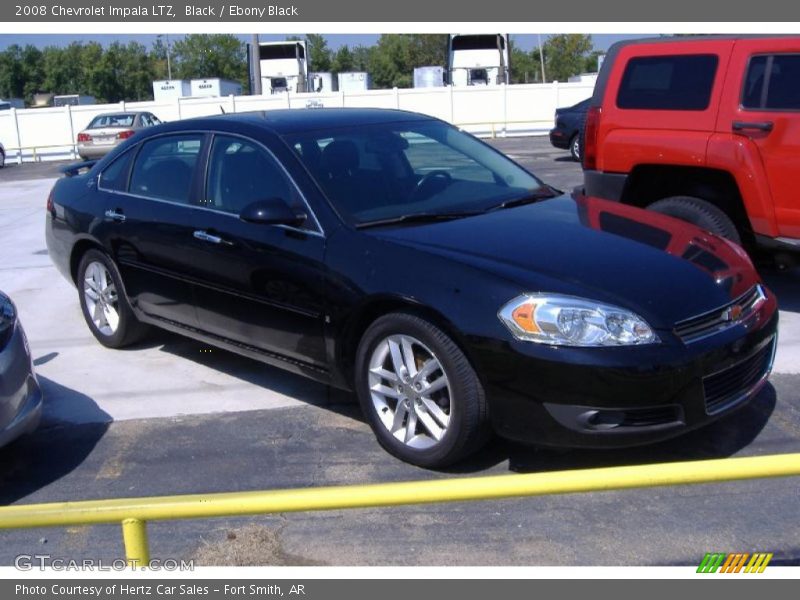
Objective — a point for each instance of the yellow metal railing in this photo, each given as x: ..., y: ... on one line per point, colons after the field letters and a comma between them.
x: 134, y: 513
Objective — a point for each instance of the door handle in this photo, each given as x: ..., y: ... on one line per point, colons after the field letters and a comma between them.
x: 115, y: 215
x: 757, y: 125
x: 212, y: 239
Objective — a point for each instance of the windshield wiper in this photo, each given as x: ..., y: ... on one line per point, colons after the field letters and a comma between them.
x: 542, y: 193
x: 419, y: 218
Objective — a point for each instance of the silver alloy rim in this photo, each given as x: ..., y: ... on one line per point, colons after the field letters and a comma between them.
x: 101, y: 298
x: 410, y: 391
x: 576, y: 147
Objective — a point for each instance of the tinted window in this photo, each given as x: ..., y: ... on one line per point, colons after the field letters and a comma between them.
x: 164, y: 168
x: 115, y: 177
x: 668, y: 82
x: 384, y: 171
x: 241, y: 172
x: 773, y: 82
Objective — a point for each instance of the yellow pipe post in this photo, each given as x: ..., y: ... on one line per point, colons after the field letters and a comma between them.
x: 137, y: 548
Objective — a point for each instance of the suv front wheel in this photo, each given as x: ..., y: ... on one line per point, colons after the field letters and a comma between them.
x: 698, y: 212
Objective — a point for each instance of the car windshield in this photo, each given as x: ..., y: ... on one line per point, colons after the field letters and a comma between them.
x: 112, y: 121
x: 378, y: 173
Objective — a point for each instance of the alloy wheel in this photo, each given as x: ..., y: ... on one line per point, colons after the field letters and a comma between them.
x: 100, y: 295
x: 410, y: 391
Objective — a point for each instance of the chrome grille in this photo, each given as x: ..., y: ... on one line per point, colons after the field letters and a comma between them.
x: 721, y: 318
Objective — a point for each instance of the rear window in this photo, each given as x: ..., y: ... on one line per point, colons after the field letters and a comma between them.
x: 668, y: 82
x: 772, y: 83
x: 123, y: 120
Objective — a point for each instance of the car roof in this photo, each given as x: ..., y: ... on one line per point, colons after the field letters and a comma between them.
x: 286, y: 121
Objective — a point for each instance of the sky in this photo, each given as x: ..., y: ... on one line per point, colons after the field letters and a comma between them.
x: 524, y: 41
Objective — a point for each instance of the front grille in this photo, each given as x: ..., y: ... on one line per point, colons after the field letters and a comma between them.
x: 721, y: 318
x: 726, y: 388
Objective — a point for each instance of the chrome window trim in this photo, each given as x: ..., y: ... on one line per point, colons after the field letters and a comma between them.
x: 319, y: 232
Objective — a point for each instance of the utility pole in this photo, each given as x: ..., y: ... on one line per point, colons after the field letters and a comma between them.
x: 541, y: 57
x: 169, y: 62
x: 255, y: 66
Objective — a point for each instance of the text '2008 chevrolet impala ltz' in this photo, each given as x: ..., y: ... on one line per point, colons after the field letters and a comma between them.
x: 390, y: 253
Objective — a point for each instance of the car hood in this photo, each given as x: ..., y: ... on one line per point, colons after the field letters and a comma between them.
x: 664, y: 269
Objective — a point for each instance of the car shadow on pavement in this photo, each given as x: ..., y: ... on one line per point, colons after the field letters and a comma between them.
x: 56, y: 448
x: 720, y: 439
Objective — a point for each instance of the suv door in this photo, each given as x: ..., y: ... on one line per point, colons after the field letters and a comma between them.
x: 763, y: 109
x: 258, y: 285
x: 147, y: 197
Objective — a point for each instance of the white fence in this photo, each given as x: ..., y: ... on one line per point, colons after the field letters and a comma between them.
x: 505, y: 110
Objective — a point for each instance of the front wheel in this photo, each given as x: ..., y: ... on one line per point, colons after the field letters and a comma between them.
x: 419, y: 392
x: 698, y: 212
x: 103, y: 302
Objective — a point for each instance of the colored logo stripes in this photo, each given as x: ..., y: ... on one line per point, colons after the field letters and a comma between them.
x: 734, y: 562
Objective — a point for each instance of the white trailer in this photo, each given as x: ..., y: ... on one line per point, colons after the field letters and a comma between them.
x: 164, y: 89
x: 354, y: 81
x: 72, y: 100
x: 215, y: 87
x: 322, y: 83
x: 478, y: 59
x: 284, y: 67
x: 425, y: 77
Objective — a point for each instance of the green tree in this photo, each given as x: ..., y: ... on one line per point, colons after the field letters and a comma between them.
x: 526, y: 67
x: 362, y: 58
x: 12, y: 76
x: 565, y: 55
x: 319, y: 55
x: 342, y: 60
x: 216, y: 55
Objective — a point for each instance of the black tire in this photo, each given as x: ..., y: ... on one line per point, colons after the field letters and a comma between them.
x: 575, y: 147
x: 467, y: 430
x: 698, y: 212
x: 129, y: 329
x: 2, y: 159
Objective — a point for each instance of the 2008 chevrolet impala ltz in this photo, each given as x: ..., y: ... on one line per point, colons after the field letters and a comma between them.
x: 393, y: 254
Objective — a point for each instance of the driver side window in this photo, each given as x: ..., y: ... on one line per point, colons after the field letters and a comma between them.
x: 241, y: 172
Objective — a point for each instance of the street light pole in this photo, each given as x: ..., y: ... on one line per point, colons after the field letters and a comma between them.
x: 169, y: 62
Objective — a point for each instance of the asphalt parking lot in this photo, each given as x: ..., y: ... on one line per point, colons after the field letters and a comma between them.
x: 171, y: 416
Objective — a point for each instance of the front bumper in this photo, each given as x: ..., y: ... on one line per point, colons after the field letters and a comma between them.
x: 20, y: 394
x: 627, y: 396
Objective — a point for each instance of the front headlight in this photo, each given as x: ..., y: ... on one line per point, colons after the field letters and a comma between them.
x: 8, y: 316
x: 569, y: 321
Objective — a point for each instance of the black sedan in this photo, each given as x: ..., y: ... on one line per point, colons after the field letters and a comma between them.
x: 390, y: 253
x: 568, y: 130
x: 20, y: 395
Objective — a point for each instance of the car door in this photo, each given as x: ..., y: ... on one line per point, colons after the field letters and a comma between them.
x: 765, y: 75
x: 147, y: 199
x: 258, y: 285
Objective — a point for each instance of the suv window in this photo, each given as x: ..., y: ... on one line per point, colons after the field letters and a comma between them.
x: 115, y: 176
x: 241, y: 172
x: 773, y: 83
x: 668, y: 82
x: 164, y: 167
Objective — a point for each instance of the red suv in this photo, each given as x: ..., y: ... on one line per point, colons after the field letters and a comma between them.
x: 706, y: 129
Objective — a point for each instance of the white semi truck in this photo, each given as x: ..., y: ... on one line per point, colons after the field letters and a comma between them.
x: 284, y: 66
x: 478, y: 59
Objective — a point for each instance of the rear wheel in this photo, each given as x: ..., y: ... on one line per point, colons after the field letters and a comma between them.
x: 419, y: 393
x: 575, y: 147
x: 103, y: 302
x: 698, y: 212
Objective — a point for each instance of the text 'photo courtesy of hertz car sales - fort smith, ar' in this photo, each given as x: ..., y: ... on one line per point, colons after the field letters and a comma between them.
x: 390, y: 253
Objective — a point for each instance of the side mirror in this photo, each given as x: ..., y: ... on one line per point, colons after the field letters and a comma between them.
x: 272, y: 211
